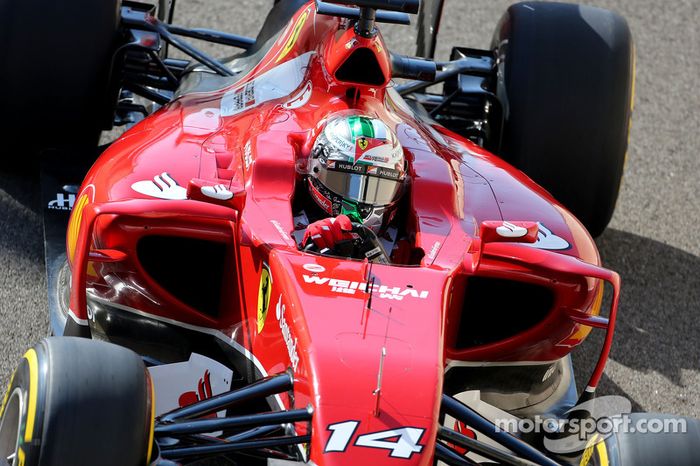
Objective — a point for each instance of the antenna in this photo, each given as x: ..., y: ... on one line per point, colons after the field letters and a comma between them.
x: 369, y: 288
x: 380, y: 374
x: 367, y: 303
x: 367, y: 308
x: 378, y: 391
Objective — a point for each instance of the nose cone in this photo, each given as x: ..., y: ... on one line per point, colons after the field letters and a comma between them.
x: 374, y: 366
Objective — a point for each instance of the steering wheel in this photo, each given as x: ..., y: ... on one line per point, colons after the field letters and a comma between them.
x: 364, y: 245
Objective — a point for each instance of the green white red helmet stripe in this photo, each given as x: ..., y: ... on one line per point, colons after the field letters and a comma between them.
x: 361, y: 126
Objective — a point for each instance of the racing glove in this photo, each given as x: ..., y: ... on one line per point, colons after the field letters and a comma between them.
x: 328, y: 232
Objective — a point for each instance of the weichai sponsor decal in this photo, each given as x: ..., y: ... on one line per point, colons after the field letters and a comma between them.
x: 350, y: 287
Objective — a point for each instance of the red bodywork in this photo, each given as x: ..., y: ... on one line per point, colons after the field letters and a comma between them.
x: 319, y: 325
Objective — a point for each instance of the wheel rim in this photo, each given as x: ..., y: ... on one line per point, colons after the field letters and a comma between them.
x: 10, y: 428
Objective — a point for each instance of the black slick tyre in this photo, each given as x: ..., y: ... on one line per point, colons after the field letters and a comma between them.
x: 666, y: 439
x: 566, y: 81
x: 55, y: 60
x: 80, y: 402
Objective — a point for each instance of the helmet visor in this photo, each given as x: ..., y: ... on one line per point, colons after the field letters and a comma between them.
x: 362, y: 188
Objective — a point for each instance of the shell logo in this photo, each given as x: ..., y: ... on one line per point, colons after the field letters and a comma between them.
x: 264, y: 296
x: 76, y: 220
x: 289, y: 45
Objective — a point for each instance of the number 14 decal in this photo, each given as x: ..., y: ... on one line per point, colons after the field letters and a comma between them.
x: 402, y: 442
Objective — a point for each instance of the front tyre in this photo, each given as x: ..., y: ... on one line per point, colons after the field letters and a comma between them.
x: 79, y: 402
x: 566, y: 81
x: 661, y: 439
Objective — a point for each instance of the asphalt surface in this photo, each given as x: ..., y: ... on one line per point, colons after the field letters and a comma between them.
x: 653, y: 240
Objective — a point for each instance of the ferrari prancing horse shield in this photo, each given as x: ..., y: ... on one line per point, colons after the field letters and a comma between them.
x: 264, y: 296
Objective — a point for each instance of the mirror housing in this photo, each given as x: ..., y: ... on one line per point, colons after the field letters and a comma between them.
x: 497, y: 231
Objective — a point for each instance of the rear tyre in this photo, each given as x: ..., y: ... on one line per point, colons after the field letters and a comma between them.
x: 565, y: 77
x: 652, y: 449
x: 79, y: 402
x: 55, y: 60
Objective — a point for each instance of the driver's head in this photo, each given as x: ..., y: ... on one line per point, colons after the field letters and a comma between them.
x: 357, y: 168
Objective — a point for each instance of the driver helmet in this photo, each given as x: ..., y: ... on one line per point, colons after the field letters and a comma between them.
x: 357, y: 168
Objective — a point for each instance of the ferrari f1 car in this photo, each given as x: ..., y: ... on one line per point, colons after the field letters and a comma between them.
x: 191, y: 319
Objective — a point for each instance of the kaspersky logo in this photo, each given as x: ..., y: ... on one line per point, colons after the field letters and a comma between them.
x: 289, y: 340
x: 351, y: 287
x: 63, y: 201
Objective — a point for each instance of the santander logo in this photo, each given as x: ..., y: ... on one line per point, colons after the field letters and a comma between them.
x: 289, y: 340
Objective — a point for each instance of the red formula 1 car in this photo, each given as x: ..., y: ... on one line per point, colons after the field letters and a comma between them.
x: 407, y: 341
